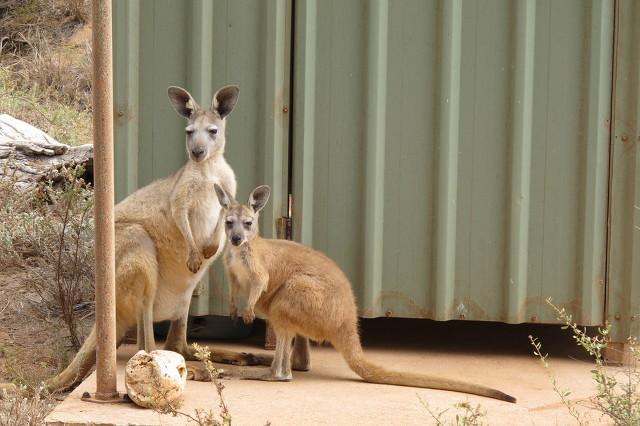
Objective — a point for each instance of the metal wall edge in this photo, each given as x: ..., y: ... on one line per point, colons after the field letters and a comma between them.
x: 623, y: 278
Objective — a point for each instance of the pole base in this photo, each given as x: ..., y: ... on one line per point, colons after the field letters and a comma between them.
x: 114, y: 398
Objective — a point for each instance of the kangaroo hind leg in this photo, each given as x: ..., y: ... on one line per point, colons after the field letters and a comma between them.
x: 281, y: 366
x: 136, y: 280
x: 301, y: 359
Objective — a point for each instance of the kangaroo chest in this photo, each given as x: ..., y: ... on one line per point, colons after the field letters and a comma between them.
x: 240, y: 263
x: 204, y: 217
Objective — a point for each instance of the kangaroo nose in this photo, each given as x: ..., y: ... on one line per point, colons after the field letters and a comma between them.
x: 235, y: 240
x: 197, y: 152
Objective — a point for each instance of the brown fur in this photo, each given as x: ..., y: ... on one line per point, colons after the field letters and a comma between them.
x: 166, y: 238
x: 302, y: 291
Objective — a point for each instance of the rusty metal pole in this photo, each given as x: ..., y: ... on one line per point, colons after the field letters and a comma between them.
x: 106, y: 388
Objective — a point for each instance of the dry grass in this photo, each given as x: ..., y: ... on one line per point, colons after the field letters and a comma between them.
x: 46, y: 237
x: 56, y: 20
x: 26, y: 407
x: 26, y: 370
x: 49, y: 234
x: 57, y: 72
x: 63, y: 122
x: 45, y: 66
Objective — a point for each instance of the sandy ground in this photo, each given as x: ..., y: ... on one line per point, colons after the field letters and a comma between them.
x: 494, y: 354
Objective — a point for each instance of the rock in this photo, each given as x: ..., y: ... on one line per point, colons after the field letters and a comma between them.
x: 155, y: 379
x: 28, y: 155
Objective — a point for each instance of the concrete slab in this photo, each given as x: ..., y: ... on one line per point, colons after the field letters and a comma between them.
x: 332, y: 394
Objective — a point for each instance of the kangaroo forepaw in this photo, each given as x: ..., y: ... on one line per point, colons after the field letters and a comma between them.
x: 248, y: 316
x: 194, y: 262
x: 210, y: 251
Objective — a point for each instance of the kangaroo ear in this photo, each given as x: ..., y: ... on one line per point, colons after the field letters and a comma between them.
x: 225, y: 100
x: 223, y: 196
x: 259, y: 197
x: 182, y: 101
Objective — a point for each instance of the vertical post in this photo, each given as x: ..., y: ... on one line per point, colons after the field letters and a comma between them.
x: 104, y: 199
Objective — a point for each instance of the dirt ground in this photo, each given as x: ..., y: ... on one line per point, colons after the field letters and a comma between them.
x: 32, y: 341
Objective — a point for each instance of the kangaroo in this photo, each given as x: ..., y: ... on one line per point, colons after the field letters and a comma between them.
x: 301, y: 291
x: 167, y: 237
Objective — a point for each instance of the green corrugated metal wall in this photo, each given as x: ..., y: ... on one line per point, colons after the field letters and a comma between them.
x: 451, y: 156
x: 459, y: 153
x: 202, y: 45
x: 623, y: 279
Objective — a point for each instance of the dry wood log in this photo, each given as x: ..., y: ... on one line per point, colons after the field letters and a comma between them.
x: 29, y: 156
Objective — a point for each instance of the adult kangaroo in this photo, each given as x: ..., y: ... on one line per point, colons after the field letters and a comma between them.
x: 167, y: 236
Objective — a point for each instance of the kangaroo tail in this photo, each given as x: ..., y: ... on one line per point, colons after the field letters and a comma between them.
x: 81, y: 364
x: 348, y: 344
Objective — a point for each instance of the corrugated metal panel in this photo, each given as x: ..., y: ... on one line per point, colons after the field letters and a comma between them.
x: 202, y: 45
x: 623, y: 307
x: 452, y: 156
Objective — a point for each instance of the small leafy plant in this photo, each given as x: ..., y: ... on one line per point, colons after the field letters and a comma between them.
x: 204, y: 417
x: 25, y: 406
x: 465, y: 414
x: 617, y: 390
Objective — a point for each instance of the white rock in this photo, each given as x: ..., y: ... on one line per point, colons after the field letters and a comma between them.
x: 155, y: 379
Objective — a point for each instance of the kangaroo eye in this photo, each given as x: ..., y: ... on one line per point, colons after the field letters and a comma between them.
x: 189, y: 131
x: 213, y: 131
x: 228, y: 222
x: 248, y: 223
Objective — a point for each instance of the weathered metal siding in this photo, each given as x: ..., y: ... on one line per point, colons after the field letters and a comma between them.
x: 623, y: 301
x: 202, y: 45
x: 452, y: 156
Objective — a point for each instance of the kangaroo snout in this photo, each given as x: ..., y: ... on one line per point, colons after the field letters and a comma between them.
x: 236, y: 240
x: 198, y: 153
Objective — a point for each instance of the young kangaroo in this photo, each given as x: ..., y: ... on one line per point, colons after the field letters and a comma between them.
x: 302, y: 291
x: 166, y: 238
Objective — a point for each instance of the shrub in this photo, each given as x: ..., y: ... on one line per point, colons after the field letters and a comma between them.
x: 25, y: 407
x: 49, y: 233
x: 618, y: 392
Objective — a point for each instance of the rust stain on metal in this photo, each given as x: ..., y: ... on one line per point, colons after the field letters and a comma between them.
x: 413, y: 309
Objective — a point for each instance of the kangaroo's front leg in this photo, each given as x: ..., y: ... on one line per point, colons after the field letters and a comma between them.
x: 180, y: 213
x: 258, y: 286
x: 233, y: 295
